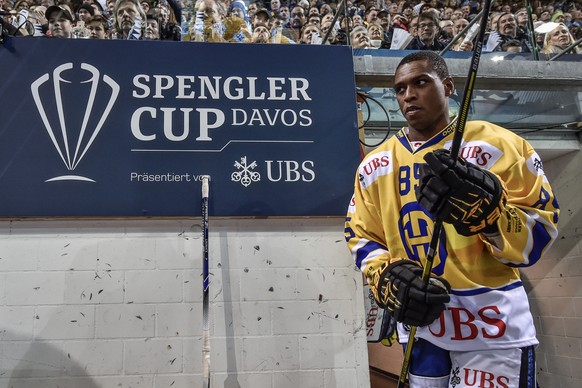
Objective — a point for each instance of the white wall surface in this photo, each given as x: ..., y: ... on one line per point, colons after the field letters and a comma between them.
x: 118, y: 303
x: 554, y: 284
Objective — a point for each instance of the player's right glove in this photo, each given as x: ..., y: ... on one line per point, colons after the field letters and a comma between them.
x: 402, y: 292
x: 460, y: 193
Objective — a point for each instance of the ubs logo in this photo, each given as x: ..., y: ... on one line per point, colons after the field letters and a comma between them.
x: 74, y: 105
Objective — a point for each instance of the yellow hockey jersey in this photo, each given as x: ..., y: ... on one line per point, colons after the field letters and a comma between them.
x: 489, y: 307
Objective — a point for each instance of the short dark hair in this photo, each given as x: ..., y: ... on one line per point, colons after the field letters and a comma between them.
x: 429, y: 15
x: 437, y: 62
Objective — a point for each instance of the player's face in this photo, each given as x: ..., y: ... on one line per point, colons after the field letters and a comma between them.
x: 423, y: 98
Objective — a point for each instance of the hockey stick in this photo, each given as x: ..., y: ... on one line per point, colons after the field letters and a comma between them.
x: 205, y: 284
x: 455, y: 147
x: 532, y: 32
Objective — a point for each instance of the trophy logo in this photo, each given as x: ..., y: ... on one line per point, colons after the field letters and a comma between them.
x: 73, y: 108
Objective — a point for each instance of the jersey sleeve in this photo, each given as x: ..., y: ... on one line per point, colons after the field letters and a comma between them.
x: 365, y: 236
x: 528, y: 224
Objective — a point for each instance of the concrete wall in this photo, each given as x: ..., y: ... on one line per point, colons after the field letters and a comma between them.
x: 555, y: 283
x: 118, y: 304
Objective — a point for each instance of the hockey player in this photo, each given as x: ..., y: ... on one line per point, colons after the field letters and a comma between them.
x: 498, y: 211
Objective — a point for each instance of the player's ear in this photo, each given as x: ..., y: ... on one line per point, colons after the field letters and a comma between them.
x: 449, y: 86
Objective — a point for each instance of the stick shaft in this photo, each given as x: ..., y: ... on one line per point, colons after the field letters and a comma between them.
x: 205, y: 286
x: 455, y: 148
x: 532, y: 32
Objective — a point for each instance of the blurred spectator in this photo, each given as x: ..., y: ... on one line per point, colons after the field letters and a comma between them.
x: 383, y: 18
x: 293, y: 29
x: 558, y: 17
x: 170, y: 16
x: 393, y: 10
x: 377, y: 36
x: 262, y: 16
x: 371, y: 16
x: 275, y: 6
x: 558, y: 39
x: 252, y: 9
x: 522, y: 21
x: 457, y: 14
x: 428, y: 27
x: 326, y: 25
x: 460, y: 44
x: 85, y: 12
x: 152, y: 28
x: 60, y: 22
x: 545, y: 16
x: 128, y: 19
x: 446, y: 30
x: 238, y: 9
x: 145, y: 4
x: 357, y: 20
x: 284, y: 14
x: 447, y: 13
x: 506, y: 31
x: 99, y: 27
x: 407, y: 10
x: 459, y: 25
x: 511, y: 46
x: 310, y: 34
x: 261, y: 34
x: 359, y: 38
x: 99, y: 7
x: 413, y: 26
x: 326, y: 9
x: 493, y: 18
x: 567, y: 18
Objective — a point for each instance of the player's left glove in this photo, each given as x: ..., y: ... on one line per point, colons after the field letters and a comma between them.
x: 402, y: 292
x: 460, y: 193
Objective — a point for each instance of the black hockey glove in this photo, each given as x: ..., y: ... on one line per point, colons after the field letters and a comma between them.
x: 403, y: 293
x: 460, y: 193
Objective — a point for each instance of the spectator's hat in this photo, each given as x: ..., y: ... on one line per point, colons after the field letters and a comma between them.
x: 556, y: 15
x: 381, y: 12
x: 238, y: 4
x: 265, y: 11
x: 418, y: 7
x: 102, y: 5
x: 546, y: 27
x: 55, y: 8
x: 86, y: 7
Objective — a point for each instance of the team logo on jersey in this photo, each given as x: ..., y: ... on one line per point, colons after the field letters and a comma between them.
x: 375, y: 166
x: 416, y: 228
x: 245, y: 174
x: 74, y: 108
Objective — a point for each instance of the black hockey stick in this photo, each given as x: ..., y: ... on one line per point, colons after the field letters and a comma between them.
x: 532, y: 32
x: 456, y: 145
x: 205, y: 286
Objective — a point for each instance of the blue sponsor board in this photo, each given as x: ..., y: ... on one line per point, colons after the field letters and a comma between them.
x: 122, y: 129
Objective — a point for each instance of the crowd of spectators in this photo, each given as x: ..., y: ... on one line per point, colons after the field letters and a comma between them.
x: 373, y: 24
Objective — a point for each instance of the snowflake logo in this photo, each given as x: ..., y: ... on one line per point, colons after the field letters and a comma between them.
x: 244, y: 175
